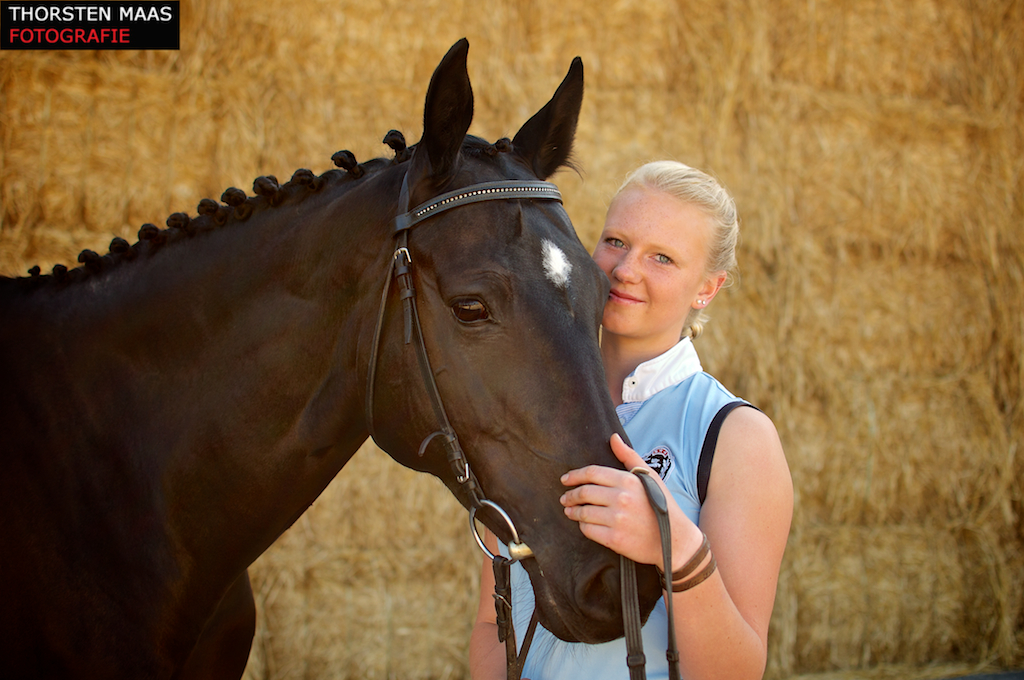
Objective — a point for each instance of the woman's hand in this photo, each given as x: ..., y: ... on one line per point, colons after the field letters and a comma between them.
x: 612, y: 509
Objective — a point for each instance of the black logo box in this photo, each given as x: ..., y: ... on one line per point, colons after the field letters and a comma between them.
x: 90, y: 25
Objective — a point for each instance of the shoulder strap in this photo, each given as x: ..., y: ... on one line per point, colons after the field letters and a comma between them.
x: 707, y: 452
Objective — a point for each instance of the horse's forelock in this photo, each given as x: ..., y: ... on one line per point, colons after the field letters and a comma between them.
x: 477, y: 147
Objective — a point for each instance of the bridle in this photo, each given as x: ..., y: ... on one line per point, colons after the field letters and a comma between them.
x: 400, y: 270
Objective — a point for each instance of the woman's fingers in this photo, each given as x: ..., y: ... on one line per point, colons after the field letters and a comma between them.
x: 591, y: 514
x: 591, y: 494
x: 626, y: 455
x: 593, y: 474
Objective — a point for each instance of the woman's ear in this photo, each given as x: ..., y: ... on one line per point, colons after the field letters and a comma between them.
x: 710, y: 289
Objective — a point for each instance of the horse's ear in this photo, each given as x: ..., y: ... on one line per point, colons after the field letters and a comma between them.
x: 447, y: 113
x: 545, y: 141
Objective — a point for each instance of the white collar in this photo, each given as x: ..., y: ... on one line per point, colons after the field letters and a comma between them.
x: 664, y: 370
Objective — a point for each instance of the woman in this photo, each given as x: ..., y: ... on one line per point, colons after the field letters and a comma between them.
x: 667, y: 248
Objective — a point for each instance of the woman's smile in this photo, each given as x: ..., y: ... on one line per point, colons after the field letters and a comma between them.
x: 622, y: 297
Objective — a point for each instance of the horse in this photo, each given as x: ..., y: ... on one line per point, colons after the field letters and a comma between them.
x: 171, y: 407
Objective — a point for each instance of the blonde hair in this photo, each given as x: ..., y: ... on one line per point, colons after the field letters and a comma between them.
x: 698, y: 188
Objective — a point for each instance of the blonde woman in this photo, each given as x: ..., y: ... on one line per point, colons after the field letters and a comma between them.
x: 668, y: 247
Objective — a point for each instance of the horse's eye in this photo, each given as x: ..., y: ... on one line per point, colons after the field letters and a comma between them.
x: 468, y: 310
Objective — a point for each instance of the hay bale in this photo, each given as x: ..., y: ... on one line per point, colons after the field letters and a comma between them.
x: 379, y: 578
x: 874, y: 149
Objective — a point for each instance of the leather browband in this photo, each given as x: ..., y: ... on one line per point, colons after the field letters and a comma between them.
x: 485, y: 191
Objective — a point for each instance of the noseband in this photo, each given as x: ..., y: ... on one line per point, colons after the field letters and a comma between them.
x: 400, y: 269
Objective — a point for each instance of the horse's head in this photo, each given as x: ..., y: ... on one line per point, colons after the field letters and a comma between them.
x: 510, y: 304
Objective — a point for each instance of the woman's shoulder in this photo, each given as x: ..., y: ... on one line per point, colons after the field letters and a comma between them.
x: 750, y: 424
x: 750, y: 451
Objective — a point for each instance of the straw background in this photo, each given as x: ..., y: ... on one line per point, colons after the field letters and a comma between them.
x: 876, y: 151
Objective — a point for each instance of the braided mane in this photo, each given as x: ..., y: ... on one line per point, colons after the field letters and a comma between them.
x: 236, y: 206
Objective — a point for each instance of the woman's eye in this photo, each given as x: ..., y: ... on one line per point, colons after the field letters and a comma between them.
x: 614, y: 242
x: 468, y: 310
x: 663, y: 259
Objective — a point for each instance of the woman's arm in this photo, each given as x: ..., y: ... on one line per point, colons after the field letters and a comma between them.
x: 746, y: 517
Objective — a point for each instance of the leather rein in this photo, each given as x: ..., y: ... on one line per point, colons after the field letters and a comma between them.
x: 400, y: 271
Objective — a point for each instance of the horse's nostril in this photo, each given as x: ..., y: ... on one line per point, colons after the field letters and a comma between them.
x: 599, y: 600
x: 598, y: 597
x: 611, y: 583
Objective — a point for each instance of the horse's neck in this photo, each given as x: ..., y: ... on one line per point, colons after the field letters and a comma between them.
x: 230, y: 362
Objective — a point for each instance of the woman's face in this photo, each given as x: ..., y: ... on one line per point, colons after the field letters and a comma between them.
x: 654, y: 250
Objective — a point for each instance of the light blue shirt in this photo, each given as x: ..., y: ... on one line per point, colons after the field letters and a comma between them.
x: 668, y: 405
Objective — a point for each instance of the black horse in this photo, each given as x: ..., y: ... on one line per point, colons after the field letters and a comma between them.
x: 168, y: 409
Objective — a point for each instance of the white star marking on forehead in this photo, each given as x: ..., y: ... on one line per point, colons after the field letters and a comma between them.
x: 556, y: 264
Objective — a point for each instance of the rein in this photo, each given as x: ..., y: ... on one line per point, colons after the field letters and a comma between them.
x: 400, y: 270
x: 631, y: 609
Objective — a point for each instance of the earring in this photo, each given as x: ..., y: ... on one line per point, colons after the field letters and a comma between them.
x: 701, y: 302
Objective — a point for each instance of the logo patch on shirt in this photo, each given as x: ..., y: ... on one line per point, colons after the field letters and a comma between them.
x: 660, y: 460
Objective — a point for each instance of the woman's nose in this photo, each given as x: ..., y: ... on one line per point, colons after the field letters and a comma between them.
x: 625, y: 270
